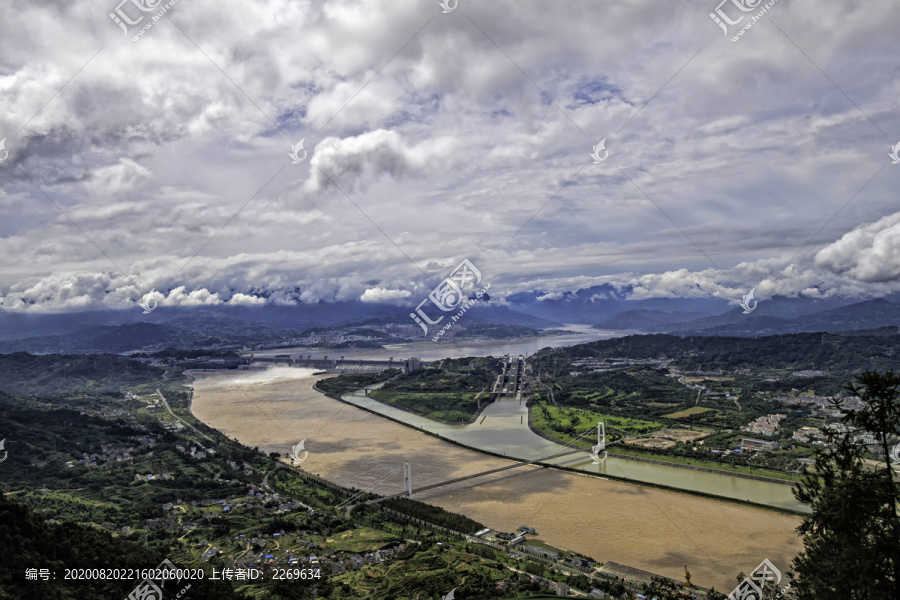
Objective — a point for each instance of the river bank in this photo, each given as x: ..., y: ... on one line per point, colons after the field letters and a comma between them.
x: 649, y: 528
x: 555, y: 466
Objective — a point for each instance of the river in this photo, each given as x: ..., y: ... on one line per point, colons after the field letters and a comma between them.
x: 504, y: 430
x: 652, y: 529
x: 427, y: 350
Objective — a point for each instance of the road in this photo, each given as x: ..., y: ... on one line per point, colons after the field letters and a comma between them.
x: 552, y: 397
x: 265, y: 481
x: 169, y: 408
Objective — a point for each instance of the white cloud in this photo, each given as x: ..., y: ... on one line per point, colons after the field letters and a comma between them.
x: 246, y: 300
x: 112, y: 180
x: 550, y: 296
x: 378, y: 294
x: 181, y: 297
x: 367, y: 156
x: 870, y: 252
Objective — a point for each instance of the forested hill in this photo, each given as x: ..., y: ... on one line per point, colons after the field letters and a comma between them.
x: 29, y: 542
x: 837, y: 354
x: 64, y: 374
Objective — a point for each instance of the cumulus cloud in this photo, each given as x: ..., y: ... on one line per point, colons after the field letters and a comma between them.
x: 870, y: 252
x: 378, y: 294
x: 241, y: 299
x: 112, y: 180
x: 181, y: 297
x: 367, y: 156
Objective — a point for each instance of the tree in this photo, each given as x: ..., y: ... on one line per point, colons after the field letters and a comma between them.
x: 852, y: 536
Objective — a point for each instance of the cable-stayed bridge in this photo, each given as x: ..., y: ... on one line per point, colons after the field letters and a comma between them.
x: 408, y: 490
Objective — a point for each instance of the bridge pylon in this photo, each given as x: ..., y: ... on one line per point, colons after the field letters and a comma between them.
x: 407, y: 480
x: 601, y: 444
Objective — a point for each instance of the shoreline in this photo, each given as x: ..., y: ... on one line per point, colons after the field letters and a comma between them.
x: 657, y: 461
x: 420, y: 414
x: 549, y: 438
x: 606, y: 517
x: 661, y: 486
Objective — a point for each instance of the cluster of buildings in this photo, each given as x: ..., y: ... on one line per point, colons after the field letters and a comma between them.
x: 302, y: 558
x: 560, y: 589
x: 808, y: 373
x: 514, y: 539
x: 823, y: 405
x: 261, y: 502
x: 755, y: 444
x: 114, y: 453
x: 258, y: 501
x: 357, y: 561
x: 809, y: 434
x: 767, y: 425
x: 196, y: 451
x: 816, y: 436
x: 603, y: 365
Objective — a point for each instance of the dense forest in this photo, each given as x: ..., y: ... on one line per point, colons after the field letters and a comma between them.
x: 30, y: 542
x: 839, y: 355
x: 434, y: 515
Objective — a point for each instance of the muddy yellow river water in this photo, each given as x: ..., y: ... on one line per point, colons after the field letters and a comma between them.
x: 652, y: 529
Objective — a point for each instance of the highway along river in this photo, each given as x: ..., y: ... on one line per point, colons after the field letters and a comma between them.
x: 653, y: 529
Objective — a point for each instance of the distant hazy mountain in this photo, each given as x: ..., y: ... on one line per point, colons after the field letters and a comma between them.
x: 870, y: 314
x: 501, y: 315
x: 641, y: 319
x: 182, y: 327
x: 599, y: 303
x: 102, y: 338
x: 604, y: 306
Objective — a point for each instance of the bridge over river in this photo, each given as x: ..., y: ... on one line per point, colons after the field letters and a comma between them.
x: 408, y: 492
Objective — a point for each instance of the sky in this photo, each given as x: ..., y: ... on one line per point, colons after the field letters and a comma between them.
x: 435, y: 133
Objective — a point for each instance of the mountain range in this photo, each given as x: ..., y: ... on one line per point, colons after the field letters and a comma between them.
x: 603, y: 307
